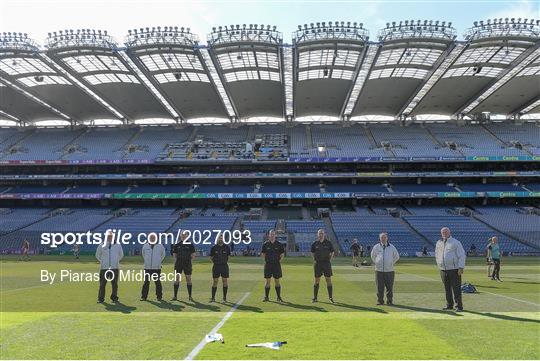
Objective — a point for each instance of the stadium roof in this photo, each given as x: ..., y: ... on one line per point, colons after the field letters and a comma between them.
x: 331, y: 69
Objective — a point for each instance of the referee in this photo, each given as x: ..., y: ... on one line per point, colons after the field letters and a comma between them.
x: 273, y: 253
x: 322, y: 252
x: 183, y: 253
x: 219, y: 255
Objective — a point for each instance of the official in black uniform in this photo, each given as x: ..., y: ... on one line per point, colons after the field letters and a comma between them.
x: 272, y: 252
x: 322, y: 252
x: 219, y: 254
x: 183, y: 253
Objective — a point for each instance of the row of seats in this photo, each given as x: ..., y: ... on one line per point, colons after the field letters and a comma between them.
x: 410, y: 228
x: 275, y: 188
x: 375, y: 140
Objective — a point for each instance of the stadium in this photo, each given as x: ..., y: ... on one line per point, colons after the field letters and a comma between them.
x: 250, y: 131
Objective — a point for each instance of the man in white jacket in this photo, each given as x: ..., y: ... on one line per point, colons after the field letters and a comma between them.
x: 109, y: 255
x: 384, y: 256
x: 153, y: 254
x: 450, y: 257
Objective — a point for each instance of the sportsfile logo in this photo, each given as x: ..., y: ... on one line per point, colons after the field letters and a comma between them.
x: 118, y: 236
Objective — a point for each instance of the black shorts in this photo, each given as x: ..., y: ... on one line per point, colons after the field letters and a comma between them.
x: 185, y: 267
x: 272, y: 270
x: 322, y: 268
x: 355, y: 254
x: 220, y: 270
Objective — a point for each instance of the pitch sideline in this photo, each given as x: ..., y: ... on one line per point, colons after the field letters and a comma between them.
x: 201, y: 344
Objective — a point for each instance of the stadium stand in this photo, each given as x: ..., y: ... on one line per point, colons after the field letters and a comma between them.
x: 207, y: 220
x: 305, y: 232
x: 99, y: 143
x: 428, y: 221
x: 519, y: 223
x: 526, y: 135
x: 85, y: 188
x: 344, y: 187
x: 28, y: 224
x: 366, y: 226
x: 220, y: 142
x: 424, y: 187
x: 37, y: 189
x: 151, y: 141
x: 490, y: 187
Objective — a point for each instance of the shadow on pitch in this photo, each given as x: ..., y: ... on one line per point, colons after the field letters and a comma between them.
x: 201, y: 306
x: 526, y: 283
x: 356, y: 307
x: 119, y: 307
x: 427, y: 310
x: 249, y: 308
x: 302, y: 307
x: 503, y: 317
x: 165, y: 305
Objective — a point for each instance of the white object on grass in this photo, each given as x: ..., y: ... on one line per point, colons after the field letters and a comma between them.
x: 214, y: 337
x: 272, y: 345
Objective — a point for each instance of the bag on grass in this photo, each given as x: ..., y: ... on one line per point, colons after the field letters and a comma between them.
x: 468, y: 288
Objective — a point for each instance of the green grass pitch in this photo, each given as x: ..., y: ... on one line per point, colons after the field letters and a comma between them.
x: 63, y: 321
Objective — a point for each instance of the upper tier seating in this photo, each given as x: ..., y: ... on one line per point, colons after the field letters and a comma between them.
x: 373, y: 140
x: 527, y: 134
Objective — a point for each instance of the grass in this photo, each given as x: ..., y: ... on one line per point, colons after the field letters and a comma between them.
x: 63, y: 321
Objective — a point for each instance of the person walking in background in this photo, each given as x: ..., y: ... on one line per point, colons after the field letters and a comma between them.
x: 153, y: 254
x: 76, y: 251
x: 384, y: 256
x: 495, y: 252
x: 450, y: 258
x: 109, y: 255
x: 355, y: 250
x: 25, y: 250
x: 489, y: 260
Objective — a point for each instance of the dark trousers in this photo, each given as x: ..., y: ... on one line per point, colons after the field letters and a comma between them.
x: 452, y: 286
x: 150, y: 274
x: 385, y: 280
x: 108, y: 275
x: 496, y: 268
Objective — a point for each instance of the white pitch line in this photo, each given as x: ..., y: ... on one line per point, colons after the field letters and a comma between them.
x: 24, y: 288
x: 491, y: 293
x: 511, y: 298
x: 201, y: 344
